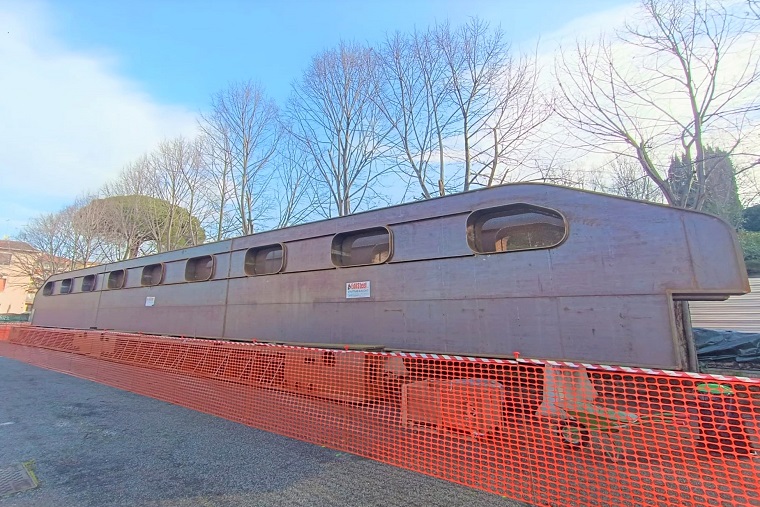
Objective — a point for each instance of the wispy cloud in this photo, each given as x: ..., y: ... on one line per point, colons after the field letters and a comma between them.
x: 642, y: 68
x: 69, y: 121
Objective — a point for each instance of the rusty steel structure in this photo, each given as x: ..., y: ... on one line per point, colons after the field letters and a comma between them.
x: 546, y: 271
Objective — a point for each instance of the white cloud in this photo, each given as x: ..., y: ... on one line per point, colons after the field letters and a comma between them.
x: 639, y: 67
x: 68, y: 120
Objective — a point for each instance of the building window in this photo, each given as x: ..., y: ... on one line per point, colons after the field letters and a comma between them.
x: 116, y: 279
x: 265, y: 260
x: 152, y: 274
x: 360, y: 248
x: 66, y: 285
x: 515, y: 227
x: 199, y: 269
x: 5, y: 259
x: 48, y: 289
x: 88, y: 283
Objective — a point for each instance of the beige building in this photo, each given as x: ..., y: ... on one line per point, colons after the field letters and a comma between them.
x: 16, y: 289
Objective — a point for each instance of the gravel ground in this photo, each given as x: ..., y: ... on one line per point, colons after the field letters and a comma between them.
x: 92, y: 445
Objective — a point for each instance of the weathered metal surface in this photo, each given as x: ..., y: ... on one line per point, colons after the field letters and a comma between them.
x: 604, y: 295
x: 740, y: 313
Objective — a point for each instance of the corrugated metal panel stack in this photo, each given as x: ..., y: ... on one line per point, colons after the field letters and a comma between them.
x: 740, y: 313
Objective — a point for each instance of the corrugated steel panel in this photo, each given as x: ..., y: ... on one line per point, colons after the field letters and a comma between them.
x: 740, y: 313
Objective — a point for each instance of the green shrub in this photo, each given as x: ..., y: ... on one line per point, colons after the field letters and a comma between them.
x: 750, y: 242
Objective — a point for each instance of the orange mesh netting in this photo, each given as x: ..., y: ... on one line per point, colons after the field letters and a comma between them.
x: 546, y: 433
x: 5, y: 331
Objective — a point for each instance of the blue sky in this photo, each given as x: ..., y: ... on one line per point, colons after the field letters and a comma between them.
x: 89, y: 85
x: 182, y: 51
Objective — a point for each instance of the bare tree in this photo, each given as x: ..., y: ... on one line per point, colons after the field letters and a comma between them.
x: 195, y: 180
x: 294, y: 189
x: 177, y: 174
x: 438, y: 86
x: 62, y: 241
x: 415, y: 101
x: 461, y: 84
x: 684, y: 75
x: 167, y: 163
x: 476, y: 57
x: 148, y: 208
x: 508, y: 141
x: 244, y: 129
x: 51, y: 236
x: 626, y: 179
x: 125, y: 227
x: 749, y: 188
x: 87, y: 245
x: 337, y: 124
x: 218, y: 192
x: 134, y: 179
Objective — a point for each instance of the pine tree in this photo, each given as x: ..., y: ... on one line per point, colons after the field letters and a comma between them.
x: 721, y: 194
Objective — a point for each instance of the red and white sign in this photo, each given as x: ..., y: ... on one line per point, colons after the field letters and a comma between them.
x: 357, y: 290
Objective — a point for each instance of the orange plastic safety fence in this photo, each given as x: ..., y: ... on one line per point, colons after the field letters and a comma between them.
x: 5, y: 329
x: 544, y: 433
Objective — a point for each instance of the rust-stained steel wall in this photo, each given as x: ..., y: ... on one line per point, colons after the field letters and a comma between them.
x: 740, y: 313
x: 604, y: 294
x: 512, y: 428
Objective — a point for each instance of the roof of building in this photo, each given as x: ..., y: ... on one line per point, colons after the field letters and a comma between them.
x: 9, y: 244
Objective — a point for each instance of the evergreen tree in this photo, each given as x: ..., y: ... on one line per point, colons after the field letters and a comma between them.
x: 751, y: 218
x: 721, y: 192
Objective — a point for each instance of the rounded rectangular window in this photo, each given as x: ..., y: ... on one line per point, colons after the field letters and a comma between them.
x: 88, y: 283
x: 515, y: 227
x: 117, y: 278
x: 152, y: 274
x: 47, y: 290
x: 66, y: 285
x: 361, y: 248
x: 265, y: 260
x: 199, y: 269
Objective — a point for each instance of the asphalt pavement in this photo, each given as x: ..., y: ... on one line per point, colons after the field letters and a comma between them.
x: 93, y: 445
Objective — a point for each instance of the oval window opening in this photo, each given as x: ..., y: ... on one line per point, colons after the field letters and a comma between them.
x: 66, y: 285
x: 88, y: 283
x: 199, y: 269
x: 116, y: 279
x: 360, y: 248
x: 152, y: 274
x: 265, y: 260
x: 48, y: 289
x: 514, y: 228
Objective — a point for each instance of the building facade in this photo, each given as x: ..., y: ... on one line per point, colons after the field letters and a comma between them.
x: 16, y: 287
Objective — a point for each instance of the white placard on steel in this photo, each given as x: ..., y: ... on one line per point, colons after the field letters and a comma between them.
x: 357, y: 290
x: 150, y: 300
